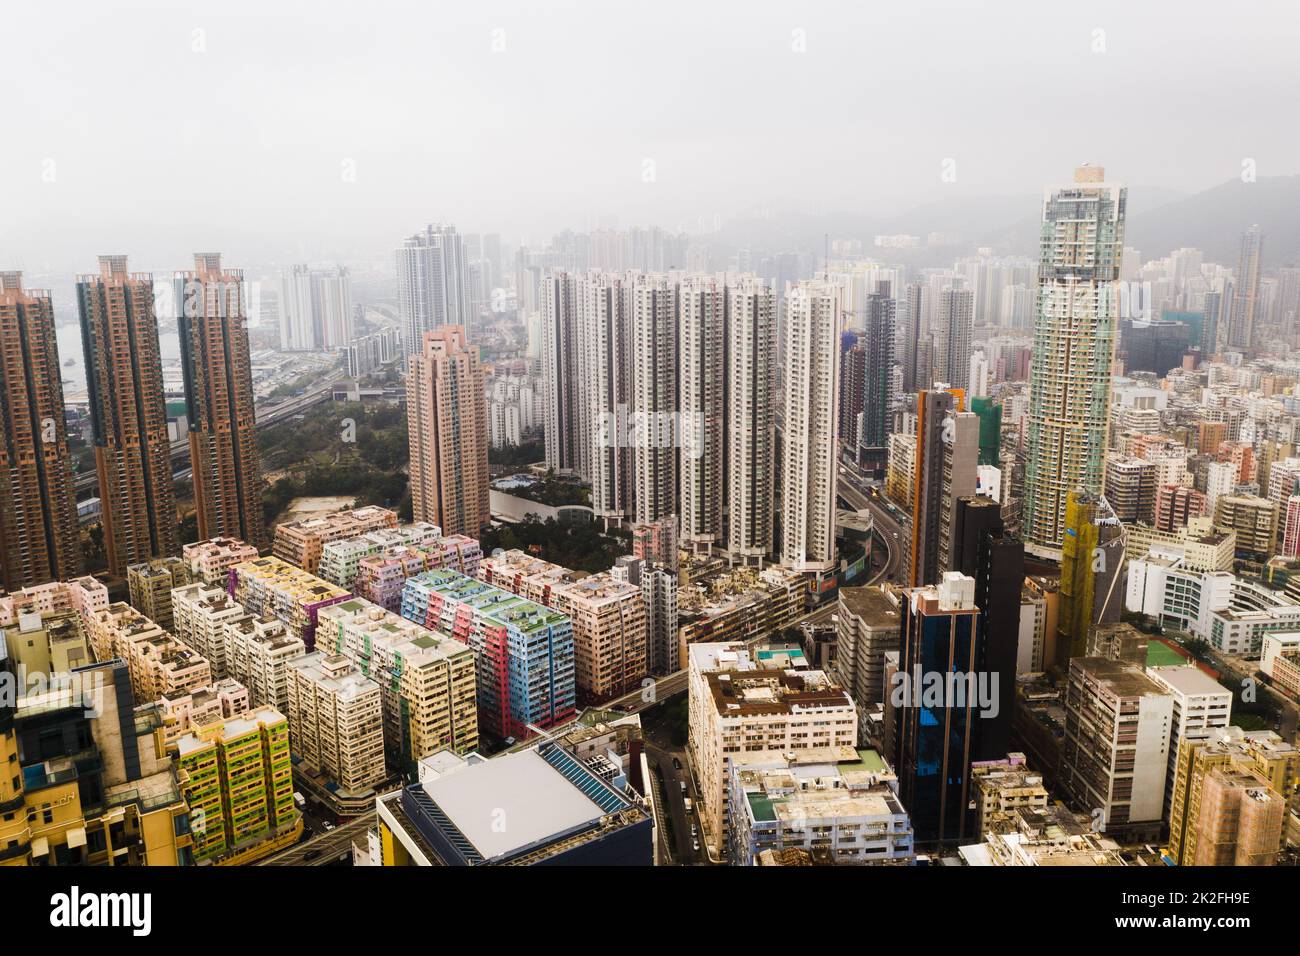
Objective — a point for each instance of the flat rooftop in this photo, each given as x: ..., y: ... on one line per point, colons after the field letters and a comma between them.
x: 523, y: 791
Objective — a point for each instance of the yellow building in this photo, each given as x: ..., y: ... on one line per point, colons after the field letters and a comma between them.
x: 111, y: 801
x: 1260, y: 753
x: 237, y: 778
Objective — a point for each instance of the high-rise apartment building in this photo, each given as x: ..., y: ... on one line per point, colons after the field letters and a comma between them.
x: 336, y: 721
x: 1130, y: 488
x: 702, y: 400
x: 426, y: 680
x: 302, y: 543
x: 432, y: 284
x: 219, y: 400
x: 238, y: 782
x: 868, y: 625
x: 446, y: 412
x: 210, y: 561
x: 956, y: 327
x: 258, y: 653
x: 1202, y: 706
x: 315, y: 309
x: 38, y: 515
x: 609, y: 619
x: 1245, y: 302
x: 564, y: 407
x: 750, y: 457
x: 812, y: 371
x: 653, y: 432
x: 150, y: 585
x: 1081, y: 248
x: 605, y: 371
x: 128, y: 417
x: 523, y: 651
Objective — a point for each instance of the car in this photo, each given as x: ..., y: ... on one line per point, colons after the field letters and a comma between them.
x: 695, y: 845
x: 329, y: 826
x: 682, y: 784
x: 677, y: 764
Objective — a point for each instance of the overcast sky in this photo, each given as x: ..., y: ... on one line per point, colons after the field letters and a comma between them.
x: 273, y: 130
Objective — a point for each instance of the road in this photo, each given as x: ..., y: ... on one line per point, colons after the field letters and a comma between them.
x: 325, y: 848
x: 265, y: 415
x: 888, y: 529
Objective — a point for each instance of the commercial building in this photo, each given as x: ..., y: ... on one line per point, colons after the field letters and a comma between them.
x: 1201, y: 707
x: 868, y: 624
x: 218, y: 377
x: 1115, y: 755
x: 38, y: 514
x: 835, y: 800
x: 128, y: 417
x: 559, y: 812
x: 89, y: 783
x: 743, y: 702
x: 1075, y: 333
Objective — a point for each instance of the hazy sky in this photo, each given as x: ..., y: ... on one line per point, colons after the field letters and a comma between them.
x: 157, y: 129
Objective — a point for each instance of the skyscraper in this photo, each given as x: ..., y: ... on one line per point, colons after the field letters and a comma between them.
x: 812, y: 373
x: 653, y: 432
x: 432, y: 283
x: 877, y: 396
x: 702, y: 370
x: 914, y: 357
x: 564, y: 411
x: 605, y: 374
x: 128, y: 416
x: 945, y: 462
x: 219, y: 400
x: 1081, y: 244
x: 938, y: 735
x: 956, y: 321
x: 1241, y: 321
x: 446, y: 416
x: 38, y: 517
x: 750, y: 458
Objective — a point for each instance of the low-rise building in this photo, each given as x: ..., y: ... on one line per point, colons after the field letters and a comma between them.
x: 838, y: 800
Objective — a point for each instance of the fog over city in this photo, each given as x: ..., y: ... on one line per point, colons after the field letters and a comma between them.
x: 327, y: 131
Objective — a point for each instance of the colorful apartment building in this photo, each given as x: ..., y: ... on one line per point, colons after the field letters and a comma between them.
x: 523, y: 650
x: 272, y: 587
x: 427, y: 680
x: 238, y: 781
x: 211, y: 560
x: 381, y: 576
x: 338, y: 563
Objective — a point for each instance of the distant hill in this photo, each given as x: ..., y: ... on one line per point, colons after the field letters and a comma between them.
x: 1214, y: 220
